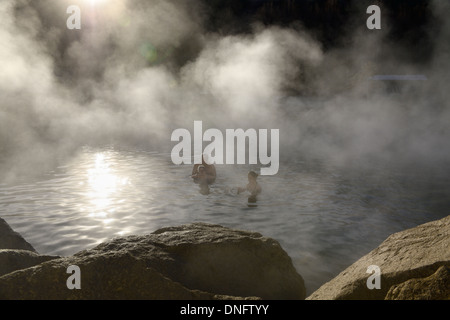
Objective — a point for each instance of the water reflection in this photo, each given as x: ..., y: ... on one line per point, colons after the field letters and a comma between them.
x: 252, y: 201
x: 204, y: 189
x: 103, y: 187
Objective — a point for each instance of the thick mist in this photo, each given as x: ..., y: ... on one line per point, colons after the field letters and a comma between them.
x: 137, y: 70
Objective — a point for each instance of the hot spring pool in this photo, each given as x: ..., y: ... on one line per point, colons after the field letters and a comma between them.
x: 324, y: 217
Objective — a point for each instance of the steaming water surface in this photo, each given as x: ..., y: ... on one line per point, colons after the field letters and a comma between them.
x: 325, y: 218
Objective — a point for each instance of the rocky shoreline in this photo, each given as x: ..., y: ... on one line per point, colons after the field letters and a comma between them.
x: 205, y: 261
x: 414, y: 264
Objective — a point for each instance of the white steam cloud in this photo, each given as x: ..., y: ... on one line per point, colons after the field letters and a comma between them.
x: 139, y: 69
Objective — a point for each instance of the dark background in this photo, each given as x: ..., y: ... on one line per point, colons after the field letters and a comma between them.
x: 330, y: 21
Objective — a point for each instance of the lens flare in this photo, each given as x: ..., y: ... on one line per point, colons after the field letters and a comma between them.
x: 149, y: 52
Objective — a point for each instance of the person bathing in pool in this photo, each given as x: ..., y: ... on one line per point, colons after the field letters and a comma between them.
x: 209, y: 172
x: 253, y: 187
x: 202, y: 180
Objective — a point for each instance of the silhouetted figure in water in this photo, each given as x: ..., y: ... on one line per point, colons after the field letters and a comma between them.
x: 253, y: 187
x: 202, y: 178
x: 252, y: 202
x: 209, y: 174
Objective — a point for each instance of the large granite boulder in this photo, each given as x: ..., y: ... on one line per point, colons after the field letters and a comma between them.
x: 196, y: 261
x: 412, y: 262
x: 9, y: 239
x: 434, y: 287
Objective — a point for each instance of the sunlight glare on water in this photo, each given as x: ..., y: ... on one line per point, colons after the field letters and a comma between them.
x: 103, y: 185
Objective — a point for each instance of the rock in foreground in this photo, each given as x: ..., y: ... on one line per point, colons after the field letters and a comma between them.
x: 414, y: 265
x: 434, y: 287
x: 12, y: 260
x: 9, y: 239
x: 15, y: 252
x: 197, y: 261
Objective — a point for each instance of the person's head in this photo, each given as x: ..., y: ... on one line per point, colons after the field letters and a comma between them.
x: 252, y: 176
x: 201, y: 169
